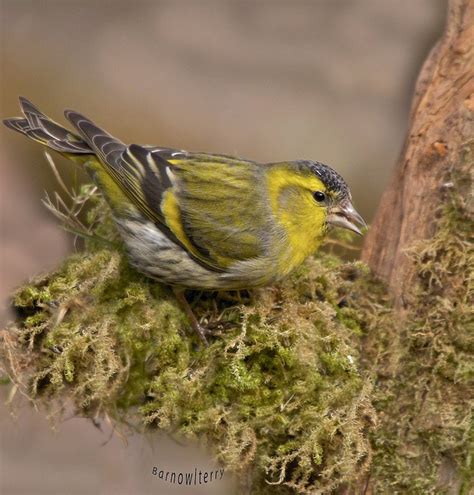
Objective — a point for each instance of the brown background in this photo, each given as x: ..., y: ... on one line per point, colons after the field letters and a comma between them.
x: 269, y: 80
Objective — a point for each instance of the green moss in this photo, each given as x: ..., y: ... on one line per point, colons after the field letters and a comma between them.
x: 295, y: 379
x: 425, y: 367
x: 279, y: 387
x: 295, y: 402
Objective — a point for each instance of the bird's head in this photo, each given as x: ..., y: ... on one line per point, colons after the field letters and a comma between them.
x: 308, y: 197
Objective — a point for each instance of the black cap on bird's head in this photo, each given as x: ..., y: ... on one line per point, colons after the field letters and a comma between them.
x: 331, y: 179
x: 337, y: 197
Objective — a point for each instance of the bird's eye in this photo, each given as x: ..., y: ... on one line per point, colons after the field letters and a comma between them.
x: 319, y: 196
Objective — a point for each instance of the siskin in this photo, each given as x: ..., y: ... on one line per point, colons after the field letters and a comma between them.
x: 199, y: 220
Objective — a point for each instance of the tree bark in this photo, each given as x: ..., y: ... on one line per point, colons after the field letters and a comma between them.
x: 441, y: 128
x: 438, y: 151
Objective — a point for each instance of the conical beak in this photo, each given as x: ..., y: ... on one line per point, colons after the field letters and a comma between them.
x: 345, y: 215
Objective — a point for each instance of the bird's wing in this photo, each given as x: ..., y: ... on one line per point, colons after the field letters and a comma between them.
x: 142, y: 176
x: 208, y: 204
x: 223, y: 210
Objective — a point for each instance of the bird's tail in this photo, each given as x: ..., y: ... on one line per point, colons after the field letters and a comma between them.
x: 37, y: 126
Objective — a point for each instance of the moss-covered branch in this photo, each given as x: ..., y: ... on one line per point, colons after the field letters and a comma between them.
x: 304, y: 385
x: 280, y: 389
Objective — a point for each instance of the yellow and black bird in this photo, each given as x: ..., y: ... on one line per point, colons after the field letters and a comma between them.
x: 200, y: 220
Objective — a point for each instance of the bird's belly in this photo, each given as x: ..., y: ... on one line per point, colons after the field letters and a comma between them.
x: 153, y: 254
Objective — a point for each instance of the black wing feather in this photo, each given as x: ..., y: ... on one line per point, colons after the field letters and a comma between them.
x: 141, y: 173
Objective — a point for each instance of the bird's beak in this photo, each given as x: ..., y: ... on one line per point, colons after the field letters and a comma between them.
x: 344, y: 215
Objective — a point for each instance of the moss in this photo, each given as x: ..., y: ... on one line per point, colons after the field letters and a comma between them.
x: 304, y: 385
x: 425, y: 370
x: 295, y: 403
x: 279, y: 388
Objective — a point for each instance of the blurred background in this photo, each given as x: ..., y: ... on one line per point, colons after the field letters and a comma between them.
x: 329, y: 80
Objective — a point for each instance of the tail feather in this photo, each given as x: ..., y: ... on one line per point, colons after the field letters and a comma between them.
x: 18, y: 124
x: 37, y: 126
x: 32, y: 114
x: 103, y: 143
x: 92, y: 147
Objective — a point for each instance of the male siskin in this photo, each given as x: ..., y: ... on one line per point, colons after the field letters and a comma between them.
x: 200, y: 220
